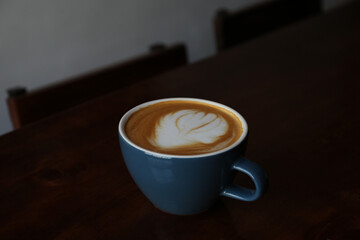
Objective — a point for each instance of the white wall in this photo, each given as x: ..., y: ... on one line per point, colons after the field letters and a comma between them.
x: 45, y: 41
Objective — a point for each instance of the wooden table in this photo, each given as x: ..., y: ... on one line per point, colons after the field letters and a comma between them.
x: 298, y: 88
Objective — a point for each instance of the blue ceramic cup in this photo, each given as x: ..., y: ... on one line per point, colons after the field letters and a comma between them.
x: 190, y: 184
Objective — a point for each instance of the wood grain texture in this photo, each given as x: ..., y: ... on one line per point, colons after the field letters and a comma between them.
x: 64, y: 177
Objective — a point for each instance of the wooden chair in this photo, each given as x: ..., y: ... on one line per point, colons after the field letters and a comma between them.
x: 27, y: 107
x: 232, y: 28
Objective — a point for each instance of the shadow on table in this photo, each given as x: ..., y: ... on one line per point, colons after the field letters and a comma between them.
x: 216, y: 223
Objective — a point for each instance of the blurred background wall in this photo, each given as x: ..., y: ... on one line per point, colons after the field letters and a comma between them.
x: 45, y: 41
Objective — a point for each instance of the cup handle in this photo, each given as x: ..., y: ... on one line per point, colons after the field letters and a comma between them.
x: 256, y: 173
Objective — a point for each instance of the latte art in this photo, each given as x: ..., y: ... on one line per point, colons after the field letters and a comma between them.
x: 183, y: 127
x: 188, y: 127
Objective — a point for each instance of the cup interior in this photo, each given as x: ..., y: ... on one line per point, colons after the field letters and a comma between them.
x: 126, y: 116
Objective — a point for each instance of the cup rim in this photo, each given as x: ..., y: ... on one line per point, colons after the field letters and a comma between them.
x: 125, y: 117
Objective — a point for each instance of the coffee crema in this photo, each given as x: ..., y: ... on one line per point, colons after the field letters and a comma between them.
x: 183, y: 127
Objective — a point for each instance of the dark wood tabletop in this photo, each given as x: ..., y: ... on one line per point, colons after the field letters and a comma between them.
x: 64, y: 177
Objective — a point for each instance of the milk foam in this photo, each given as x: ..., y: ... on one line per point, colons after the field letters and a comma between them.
x: 188, y: 127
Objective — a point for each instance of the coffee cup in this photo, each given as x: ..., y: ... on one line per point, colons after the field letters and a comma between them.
x: 183, y: 154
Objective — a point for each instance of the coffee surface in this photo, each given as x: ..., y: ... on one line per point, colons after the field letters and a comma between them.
x: 183, y: 127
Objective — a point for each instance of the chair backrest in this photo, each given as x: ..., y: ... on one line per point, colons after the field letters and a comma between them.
x: 27, y: 107
x: 232, y: 28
